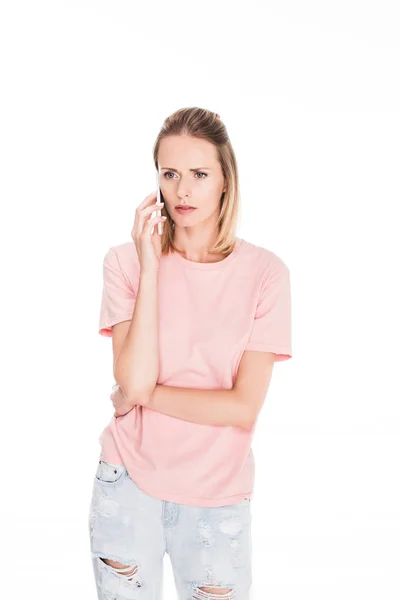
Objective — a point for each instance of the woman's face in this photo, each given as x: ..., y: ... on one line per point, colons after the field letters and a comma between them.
x: 201, y: 187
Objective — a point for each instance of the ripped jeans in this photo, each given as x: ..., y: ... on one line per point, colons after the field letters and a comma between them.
x: 209, y: 547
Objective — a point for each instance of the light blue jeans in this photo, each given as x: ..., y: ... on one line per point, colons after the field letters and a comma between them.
x: 209, y: 547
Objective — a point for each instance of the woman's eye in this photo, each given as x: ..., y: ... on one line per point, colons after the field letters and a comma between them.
x: 198, y: 173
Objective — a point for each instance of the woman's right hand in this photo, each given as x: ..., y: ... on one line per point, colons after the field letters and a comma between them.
x: 148, y: 245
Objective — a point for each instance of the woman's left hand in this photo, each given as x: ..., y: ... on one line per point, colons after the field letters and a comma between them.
x: 120, y: 402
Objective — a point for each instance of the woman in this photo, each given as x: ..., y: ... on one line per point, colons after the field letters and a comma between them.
x: 197, y: 318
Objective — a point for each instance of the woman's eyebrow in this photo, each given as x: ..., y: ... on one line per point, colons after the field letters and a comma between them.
x: 176, y: 170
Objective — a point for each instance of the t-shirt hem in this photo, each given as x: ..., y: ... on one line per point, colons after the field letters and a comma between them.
x: 283, y: 350
x: 192, y: 501
x: 105, y: 330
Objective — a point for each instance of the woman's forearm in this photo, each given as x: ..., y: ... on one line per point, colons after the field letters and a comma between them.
x: 225, y: 407
x: 137, y: 366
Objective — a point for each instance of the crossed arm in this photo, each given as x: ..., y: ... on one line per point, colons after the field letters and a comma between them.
x: 236, y: 407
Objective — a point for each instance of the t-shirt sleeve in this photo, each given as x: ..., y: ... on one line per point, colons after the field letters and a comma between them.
x: 118, y: 298
x: 271, y: 330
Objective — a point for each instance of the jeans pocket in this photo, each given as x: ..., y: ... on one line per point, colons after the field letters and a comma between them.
x: 109, y: 473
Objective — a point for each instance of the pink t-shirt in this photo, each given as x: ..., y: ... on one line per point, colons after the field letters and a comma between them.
x: 209, y: 314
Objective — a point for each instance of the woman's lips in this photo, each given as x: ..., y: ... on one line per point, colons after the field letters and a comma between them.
x: 184, y: 211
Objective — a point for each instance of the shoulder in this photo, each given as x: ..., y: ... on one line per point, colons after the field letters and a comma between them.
x: 124, y: 258
x: 263, y: 259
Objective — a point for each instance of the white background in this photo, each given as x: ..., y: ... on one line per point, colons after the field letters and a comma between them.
x: 310, y: 94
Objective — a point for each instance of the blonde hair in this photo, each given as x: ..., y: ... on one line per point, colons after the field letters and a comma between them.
x: 204, y: 124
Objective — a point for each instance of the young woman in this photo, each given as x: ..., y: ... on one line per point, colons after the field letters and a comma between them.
x: 197, y: 318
